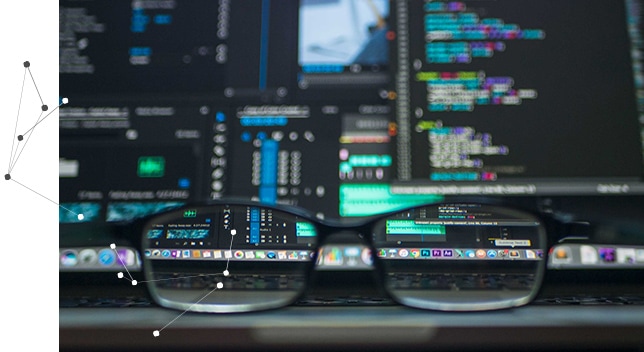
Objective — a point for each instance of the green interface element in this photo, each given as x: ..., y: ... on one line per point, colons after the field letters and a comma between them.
x: 366, y: 160
x: 409, y: 227
x: 305, y: 229
x: 371, y: 199
x: 151, y: 166
x: 190, y: 214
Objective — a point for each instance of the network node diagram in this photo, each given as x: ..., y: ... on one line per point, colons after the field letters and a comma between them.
x: 20, y: 140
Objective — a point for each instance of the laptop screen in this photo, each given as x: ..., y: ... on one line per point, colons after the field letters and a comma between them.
x: 345, y: 108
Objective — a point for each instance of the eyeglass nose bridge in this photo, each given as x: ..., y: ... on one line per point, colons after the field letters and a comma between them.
x: 347, y: 247
x: 343, y: 235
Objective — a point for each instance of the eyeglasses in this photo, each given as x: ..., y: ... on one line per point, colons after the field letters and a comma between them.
x: 241, y: 257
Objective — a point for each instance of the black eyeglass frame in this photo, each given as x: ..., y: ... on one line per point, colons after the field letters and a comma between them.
x: 135, y: 234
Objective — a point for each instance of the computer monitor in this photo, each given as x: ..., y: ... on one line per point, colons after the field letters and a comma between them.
x: 345, y: 108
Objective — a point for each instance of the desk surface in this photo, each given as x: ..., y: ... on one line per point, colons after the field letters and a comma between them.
x: 354, y: 328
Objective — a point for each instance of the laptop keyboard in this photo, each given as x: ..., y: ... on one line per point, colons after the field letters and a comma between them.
x: 104, y: 302
x: 591, y: 300
x: 114, y: 302
x: 556, y: 295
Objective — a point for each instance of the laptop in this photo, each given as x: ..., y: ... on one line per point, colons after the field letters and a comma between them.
x: 349, y: 109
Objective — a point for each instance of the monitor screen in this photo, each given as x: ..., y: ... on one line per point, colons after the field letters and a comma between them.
x: 345, y: 108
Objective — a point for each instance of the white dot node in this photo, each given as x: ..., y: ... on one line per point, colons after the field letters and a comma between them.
x: 226, y: 273
x: 65, y: 100
x: 113, y: 246
x: 119, y: 275
x: 134, y: 282
x: 155, y: 333
x: 233, y: 232
x: 220, y: 285
x: 81, y: 217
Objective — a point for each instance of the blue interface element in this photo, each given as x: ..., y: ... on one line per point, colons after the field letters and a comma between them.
x: 176, y: 234
x: 263, y: 120
x: 268, y: 173
x: 68, y: 212
x: 254, y: 225
x: 122, y: 211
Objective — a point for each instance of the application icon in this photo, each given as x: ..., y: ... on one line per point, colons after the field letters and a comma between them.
x: 588, y: 254
x: 530, y: 254
x: 515, y: 253
x: 147, y: 253
x: 481, y: 253
x: 239, y: 255
x: 470, y: 253
x: 382, y: 253
x: 503, y: 253
x: 448, y: 253
x: 293, y: 255
x: 459, y: 253
x: 165, y: 253
x: 491, y: 253
x: 196, y: 254
x: 639, y: 255
x: 415, y: 253
x: 425, y: 253
x: 186, y: 253
x: 607, y: 255
x: 333, y: 256
x: 217, y: 254
x: 403, y: 253
x: 366, y: 256
x: 249, y: 254
x: 352, y: 251
x: 436, y: 253
x: 156, y: 253
x: 68, y: 258
x: 206, y: 254
x: 281, y: 255
x: 106, y: 257
x: 260, y: 255
x: 175, y: 254
x: 228, y: 254
x: 88, y: 256
x: 320, y: 260
x: 626, y: 255
x: 561, y: 255
x: 271, y: 255
x: 125, y: 257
